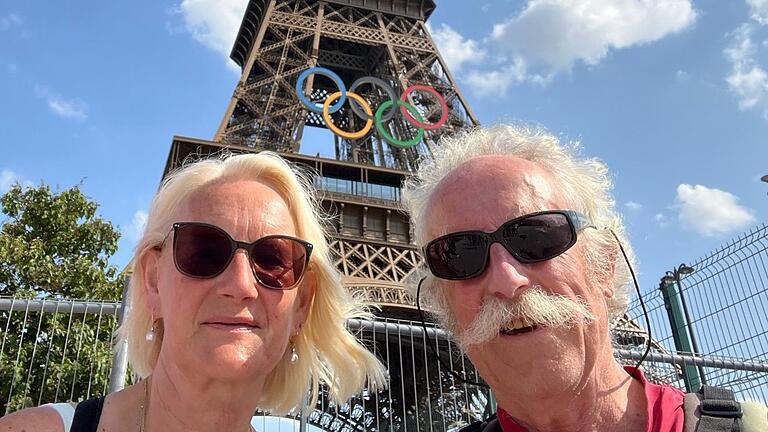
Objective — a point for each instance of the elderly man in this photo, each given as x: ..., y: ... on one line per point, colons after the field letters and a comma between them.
x: 518, y: 235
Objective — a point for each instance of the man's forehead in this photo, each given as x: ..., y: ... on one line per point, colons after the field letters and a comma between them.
x: 486, y: 191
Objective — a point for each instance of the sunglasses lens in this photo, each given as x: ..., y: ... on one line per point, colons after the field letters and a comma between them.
x: 457, y: 256
x: 201, y: 251
x: 539, y: 237
x: 279, y: 262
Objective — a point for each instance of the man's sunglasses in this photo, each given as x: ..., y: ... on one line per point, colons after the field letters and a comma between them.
x: 530, y: 239
x: 204, y: 251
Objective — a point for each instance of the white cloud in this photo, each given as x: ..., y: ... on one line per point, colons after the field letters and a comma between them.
x: 455, y: 48
x: 758, y: 10
x: 747, y: 80
x: 214, y: 23
x: 10, y: 20
x: 711, y: 212
x: 634, y: 206
x: 662, y: 220
x: 550, y: 36
x: 138, y: 223
x: 8, y: 178
x: 499, y: 81
x: 682, y: 75
x: 74, y: 109
x: 555, y: 34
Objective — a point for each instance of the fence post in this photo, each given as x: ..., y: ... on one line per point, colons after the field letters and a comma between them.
x: 120, y: 356
x: 679, y: 334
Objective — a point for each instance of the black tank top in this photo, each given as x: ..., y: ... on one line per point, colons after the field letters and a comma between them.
x: 87, y: 415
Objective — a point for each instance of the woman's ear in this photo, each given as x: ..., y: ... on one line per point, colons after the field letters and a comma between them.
x: 305, y: 298
x: 150, y: 260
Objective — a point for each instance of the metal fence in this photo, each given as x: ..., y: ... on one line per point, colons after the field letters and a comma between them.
x: 715, y: 310
x: 54, y: 350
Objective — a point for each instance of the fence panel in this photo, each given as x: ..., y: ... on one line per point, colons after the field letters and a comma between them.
x: 726, y: 299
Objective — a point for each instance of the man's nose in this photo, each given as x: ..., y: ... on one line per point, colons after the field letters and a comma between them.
x: 506, y: 276
x: 237, y: 280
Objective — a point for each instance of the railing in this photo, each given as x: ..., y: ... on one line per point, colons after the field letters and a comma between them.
x: 54, y: 350
x: 722, y: 306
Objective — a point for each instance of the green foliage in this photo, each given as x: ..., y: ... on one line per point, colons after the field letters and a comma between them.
x: 53, y: 246
x: 68, y: 359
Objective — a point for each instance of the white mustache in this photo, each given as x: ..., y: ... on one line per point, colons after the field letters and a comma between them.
x: 534, y: 305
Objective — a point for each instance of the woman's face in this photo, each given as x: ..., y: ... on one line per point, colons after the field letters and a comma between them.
x: 229, y: 326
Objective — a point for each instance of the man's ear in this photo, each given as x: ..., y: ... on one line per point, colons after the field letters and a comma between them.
x: 306, y: 296
x: 611, y: 253
x: 150, y: 261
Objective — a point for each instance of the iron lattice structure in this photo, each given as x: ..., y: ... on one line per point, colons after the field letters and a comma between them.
x: 371, y: 239
x: 387, y: 39
x: 370, y: 236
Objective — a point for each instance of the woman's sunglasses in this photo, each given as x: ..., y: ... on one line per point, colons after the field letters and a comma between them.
x: 530, y: 239
x: 204, y: 251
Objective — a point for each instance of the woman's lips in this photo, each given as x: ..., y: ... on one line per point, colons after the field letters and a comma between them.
x: 232, y: 324
x: 230, y: 327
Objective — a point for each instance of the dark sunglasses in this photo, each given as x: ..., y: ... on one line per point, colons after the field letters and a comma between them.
x: 204, y: 251
x: 530, y: 239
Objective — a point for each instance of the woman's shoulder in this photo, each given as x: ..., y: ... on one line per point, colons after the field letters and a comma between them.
x: 39, y: 419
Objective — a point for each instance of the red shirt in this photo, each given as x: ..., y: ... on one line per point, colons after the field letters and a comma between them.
x: 665, y: 408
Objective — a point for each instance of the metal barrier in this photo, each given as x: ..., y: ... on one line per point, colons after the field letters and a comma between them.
x: 714, y: 310
x: 53, y: 350
x: 707, y: 326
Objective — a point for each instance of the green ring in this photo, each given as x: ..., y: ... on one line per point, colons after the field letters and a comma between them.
x: 390, y: 139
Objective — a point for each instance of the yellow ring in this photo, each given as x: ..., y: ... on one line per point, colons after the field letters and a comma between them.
x: 348, y: 135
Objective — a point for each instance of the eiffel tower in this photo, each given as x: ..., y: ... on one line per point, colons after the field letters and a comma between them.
x: 388, y: 41
x: 379, y: 49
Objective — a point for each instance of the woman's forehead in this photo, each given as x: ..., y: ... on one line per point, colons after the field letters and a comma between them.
x: 240, y: 207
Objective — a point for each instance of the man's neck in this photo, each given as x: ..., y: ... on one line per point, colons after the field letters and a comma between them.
x: 608, y: 399
x: 182, y: 403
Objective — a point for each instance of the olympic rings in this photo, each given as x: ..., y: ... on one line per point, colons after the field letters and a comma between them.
x: 325, y: 72
x: 383, y: 131
x: 376, y: 82
x: 363, y: 110
x: 348, y: 135
x: 430, y: 90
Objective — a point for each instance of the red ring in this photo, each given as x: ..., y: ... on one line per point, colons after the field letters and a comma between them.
x: 443, y: 107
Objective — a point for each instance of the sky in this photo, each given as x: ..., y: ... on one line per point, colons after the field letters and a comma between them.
x: 671, y: 94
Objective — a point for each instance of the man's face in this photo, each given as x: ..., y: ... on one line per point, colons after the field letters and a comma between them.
x: 482, y: 194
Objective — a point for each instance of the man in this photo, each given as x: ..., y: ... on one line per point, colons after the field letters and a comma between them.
x: 518, y: 235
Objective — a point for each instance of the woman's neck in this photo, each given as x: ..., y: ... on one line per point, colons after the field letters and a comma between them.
x: 181, y: 401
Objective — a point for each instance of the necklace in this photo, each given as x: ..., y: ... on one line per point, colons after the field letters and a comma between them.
x: 145, y: 404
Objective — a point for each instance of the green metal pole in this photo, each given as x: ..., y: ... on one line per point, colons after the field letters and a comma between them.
x: 679, y: 334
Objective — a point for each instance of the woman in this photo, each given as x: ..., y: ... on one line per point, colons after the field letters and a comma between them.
x: 234, y: 305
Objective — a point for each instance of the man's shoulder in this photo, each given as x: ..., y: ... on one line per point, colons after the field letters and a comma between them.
x: 490, y: 424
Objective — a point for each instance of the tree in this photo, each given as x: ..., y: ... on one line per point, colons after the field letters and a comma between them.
x: 54, y: 246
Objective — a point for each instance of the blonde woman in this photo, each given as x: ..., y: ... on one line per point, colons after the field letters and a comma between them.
x: 234, y: 306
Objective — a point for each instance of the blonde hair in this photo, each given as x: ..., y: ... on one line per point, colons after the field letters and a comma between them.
x: 328, y: 352
x: 584, y: 181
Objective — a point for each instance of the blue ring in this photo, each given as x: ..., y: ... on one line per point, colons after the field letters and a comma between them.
x: 327, y: 73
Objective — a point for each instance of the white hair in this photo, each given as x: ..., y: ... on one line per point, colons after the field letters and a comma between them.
x: 328, y: 352
x: 584, y: 181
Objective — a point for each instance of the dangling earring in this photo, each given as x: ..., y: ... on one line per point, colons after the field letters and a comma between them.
x: 294, y: 354
x: 150, y: 336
